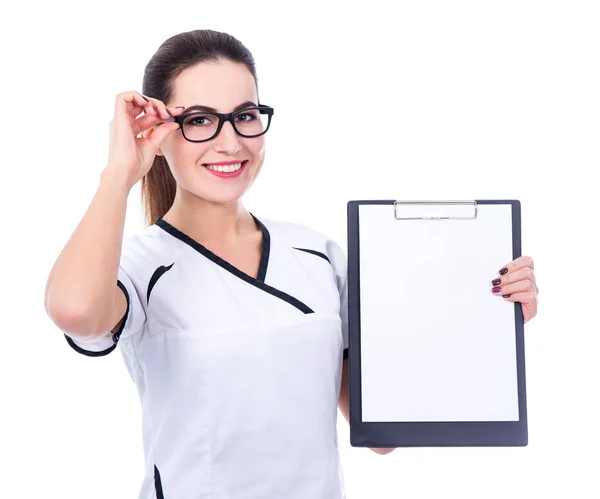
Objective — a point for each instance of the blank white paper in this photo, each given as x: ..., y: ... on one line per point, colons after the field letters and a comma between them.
x: 436, y: 344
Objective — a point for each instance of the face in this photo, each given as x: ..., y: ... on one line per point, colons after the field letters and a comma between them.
x: 222, y: 85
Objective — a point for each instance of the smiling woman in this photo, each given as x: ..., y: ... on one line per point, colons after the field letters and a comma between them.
x: 210, y: 83
x: 234, y: 327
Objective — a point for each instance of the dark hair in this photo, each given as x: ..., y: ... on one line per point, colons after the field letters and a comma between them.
x: 176, y: 54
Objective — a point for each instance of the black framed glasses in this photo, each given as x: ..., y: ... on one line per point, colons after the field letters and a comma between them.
x: 200, y: 126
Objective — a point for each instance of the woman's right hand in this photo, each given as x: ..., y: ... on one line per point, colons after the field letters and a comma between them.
x: 134, y: 141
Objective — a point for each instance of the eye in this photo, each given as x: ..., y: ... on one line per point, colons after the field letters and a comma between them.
x: 200, y: 120
x: 247, y: 116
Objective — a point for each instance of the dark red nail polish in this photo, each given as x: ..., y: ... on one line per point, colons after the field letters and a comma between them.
x: 505, y: 296
x: 145, y: 99
x: 496, y: 289
x: 495, y: 282
x: 503, y: 271
x: 169, y: 112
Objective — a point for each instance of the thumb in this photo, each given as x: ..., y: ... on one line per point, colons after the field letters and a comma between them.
x: 156, y: 135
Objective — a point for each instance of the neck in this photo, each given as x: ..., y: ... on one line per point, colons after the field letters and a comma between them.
x: 207, y: 221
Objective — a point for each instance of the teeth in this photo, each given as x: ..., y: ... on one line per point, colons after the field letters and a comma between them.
x: 226, y: 168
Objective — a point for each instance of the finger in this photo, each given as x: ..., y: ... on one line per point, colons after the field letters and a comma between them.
x: 157, y: 134
x: 171, y: 111
x: 149, y: 106
x: 130, y: 102
x: 160, y: 108
x: 176, y: 110
x: 137, y: 105
x: 517, y: 263
x: 525, y: 298
x: 144, y: 122
x: 517, y: 275
x: 520, y: 286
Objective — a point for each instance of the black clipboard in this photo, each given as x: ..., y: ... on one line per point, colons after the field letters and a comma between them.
x: 401, y: 432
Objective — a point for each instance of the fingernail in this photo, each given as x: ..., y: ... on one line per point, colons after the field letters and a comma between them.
x: 503, y: 271
x: 145, y: 99
x: 505, y: 296
x: 496, y: 289
x: 182, y: 107
x: 495, y: 282
x: 169, y: 112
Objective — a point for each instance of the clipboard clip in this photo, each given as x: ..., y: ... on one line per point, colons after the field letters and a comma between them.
x: 434, y: 210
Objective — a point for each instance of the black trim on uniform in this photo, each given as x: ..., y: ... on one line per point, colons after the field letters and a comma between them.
x: 118, y: 333
x: 318, y: 253
x: 264, y: 254
x: 265, y: 251
x: 158, y: 484
x: 314, y: 252
x: 115, y: 336
x: 89, y: 353
x: 259, y: 280
x: 157, y: 273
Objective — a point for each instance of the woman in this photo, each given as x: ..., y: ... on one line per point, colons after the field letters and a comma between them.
x: 233, y: 327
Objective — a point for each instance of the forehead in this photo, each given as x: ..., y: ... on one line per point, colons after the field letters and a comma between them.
x: 222, y: 85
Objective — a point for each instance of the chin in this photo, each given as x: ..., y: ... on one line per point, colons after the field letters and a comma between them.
x: 224, y: 198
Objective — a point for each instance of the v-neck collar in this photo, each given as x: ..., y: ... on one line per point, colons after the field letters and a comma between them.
x: 264, y: 254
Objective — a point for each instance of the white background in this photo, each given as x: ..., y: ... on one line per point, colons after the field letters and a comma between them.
x: 419, y: 100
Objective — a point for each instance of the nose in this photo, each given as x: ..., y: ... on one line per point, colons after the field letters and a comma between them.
x: 228, y: 139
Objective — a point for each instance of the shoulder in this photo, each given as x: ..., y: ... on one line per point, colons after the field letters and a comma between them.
x: 301, y: 236
x: 143, y: 251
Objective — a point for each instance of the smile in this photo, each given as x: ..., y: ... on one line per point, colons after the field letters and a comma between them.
x: 227, y: 171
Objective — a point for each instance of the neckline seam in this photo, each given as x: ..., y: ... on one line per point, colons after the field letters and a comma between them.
x: 221, y: 262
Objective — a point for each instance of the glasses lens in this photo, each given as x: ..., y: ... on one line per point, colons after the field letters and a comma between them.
x: 200, y: 126
x: 250, y: 122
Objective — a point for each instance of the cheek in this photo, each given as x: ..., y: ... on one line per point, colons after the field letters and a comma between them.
x: 257, y: 149
x: 181, y: 153
x: 183, y: 158
x: 258, y: 164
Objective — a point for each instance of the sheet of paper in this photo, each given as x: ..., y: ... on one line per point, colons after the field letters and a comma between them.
x: 436, y: 344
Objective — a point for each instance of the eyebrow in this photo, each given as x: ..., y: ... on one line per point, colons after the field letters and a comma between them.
x: 209, y: 109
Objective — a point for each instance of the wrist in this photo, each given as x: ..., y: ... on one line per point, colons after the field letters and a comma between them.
x: 115, y: 179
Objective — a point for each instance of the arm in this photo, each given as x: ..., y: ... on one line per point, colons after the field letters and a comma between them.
x: 344, y: 405
x: 81, y: 296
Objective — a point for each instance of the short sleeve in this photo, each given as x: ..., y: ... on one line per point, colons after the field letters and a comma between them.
x: 340, y: 266
x: 135, y: 317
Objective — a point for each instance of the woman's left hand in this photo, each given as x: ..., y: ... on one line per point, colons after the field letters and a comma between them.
x: 517, y: 284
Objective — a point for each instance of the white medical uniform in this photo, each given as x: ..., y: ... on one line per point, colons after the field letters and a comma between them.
x: 238, y: 376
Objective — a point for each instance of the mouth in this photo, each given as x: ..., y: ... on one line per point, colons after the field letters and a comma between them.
x: 227, y: 171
